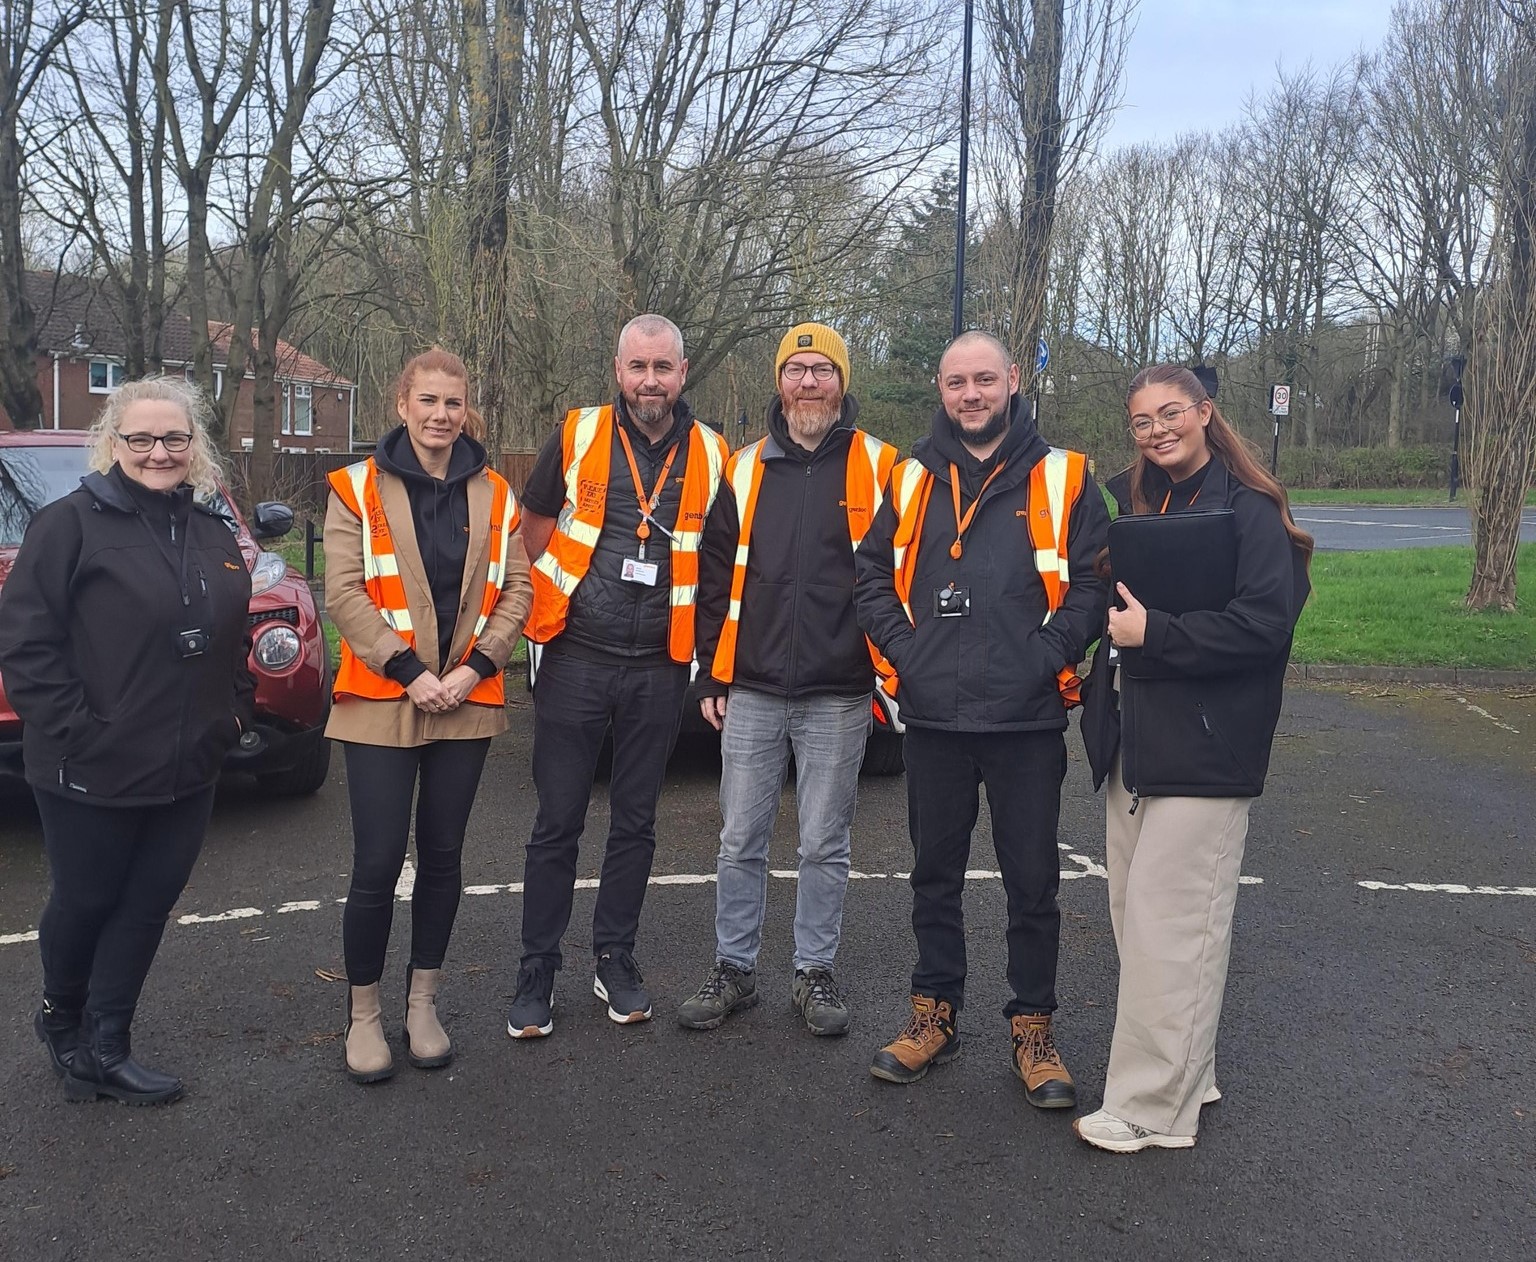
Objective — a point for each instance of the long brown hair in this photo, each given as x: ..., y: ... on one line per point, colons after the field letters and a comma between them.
x: 450, y: 365
x: 1242, y: 459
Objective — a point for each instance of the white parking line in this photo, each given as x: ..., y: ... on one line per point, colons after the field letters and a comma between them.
x: 1420, y: 887
x: 1087, y: 867
x: 1478, y: 710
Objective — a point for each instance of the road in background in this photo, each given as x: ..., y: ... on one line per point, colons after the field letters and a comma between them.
x: 1355, y: 528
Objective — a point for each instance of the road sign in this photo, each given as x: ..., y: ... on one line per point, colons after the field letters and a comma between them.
x: 1042, y: 356
x: 1280, y: 400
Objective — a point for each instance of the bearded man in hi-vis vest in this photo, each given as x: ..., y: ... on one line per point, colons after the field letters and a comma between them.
x: 788, y: 669
x: 977, y: 583
x: 613, y: 514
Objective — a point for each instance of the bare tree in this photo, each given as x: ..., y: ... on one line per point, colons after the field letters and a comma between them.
x: 1502, y: 447
x: 102, y: 171
x: 1056, y: 70
x: 30, y: 38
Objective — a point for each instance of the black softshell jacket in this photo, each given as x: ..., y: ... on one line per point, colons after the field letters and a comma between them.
x: 798, y: 633
x: 112, y: 712
x: 996, y: 669
x: 1204, y: 730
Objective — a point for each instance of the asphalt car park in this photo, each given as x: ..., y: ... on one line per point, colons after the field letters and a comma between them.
x: 1380, y: 1095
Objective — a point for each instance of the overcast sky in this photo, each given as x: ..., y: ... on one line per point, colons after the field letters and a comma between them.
x: 1192, y: 63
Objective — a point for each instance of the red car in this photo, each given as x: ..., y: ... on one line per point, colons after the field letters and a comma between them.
x: 287, y: 751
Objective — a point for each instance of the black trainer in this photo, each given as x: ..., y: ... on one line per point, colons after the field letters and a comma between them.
x: 820, y: 1002
x: 726, y: 989
x: 533, y: 1007
x: 618, y: 984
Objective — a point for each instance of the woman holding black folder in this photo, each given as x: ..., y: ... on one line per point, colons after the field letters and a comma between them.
x: 1179, y: 715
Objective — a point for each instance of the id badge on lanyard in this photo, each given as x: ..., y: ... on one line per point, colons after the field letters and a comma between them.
x: 637, y: 569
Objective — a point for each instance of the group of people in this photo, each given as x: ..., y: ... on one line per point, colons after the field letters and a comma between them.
x: 796, y: 575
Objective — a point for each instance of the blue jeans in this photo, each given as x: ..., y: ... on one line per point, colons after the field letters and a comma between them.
x: 827, y: 735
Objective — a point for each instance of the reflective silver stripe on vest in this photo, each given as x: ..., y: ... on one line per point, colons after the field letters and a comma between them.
x: 376, y: 564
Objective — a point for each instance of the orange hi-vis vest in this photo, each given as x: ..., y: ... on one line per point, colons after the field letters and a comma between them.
x: 586, y: 455
x: 1055, y: 485
x: 870, y: 462
x: 357, y: 486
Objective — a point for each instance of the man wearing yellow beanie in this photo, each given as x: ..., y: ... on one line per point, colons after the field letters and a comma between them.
x: 785, y: 667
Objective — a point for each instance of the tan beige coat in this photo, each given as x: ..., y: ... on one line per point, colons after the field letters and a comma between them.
x: 398, y: 722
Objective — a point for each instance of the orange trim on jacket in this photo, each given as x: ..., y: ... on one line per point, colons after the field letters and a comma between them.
x: 586, y: 460
x: 1055, y: 485
x: 870, y: 462
x: 357, y: 487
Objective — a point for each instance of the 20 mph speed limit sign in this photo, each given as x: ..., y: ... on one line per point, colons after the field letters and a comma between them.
x: 1280, y: 400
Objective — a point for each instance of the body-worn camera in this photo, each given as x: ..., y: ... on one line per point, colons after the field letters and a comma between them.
x: 952, y: 602
x: 193, y: 642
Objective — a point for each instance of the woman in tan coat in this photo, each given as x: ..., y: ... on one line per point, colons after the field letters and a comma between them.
x: 427, y: 581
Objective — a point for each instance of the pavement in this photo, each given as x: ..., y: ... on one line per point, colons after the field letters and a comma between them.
x: 1375, y: 1052
x: 1354, y: 528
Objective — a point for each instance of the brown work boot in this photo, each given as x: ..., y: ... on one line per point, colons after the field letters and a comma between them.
x: 1047, y: 1084
x: 929, y: 1039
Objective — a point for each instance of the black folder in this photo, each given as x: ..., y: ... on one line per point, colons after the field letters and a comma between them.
x: 1176, y: 562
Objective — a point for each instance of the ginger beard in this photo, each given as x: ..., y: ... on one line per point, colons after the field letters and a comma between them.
x: 810, y: 416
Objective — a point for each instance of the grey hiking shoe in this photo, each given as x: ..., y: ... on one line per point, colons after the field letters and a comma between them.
x: 726, y: 989
x: 820, y: 1002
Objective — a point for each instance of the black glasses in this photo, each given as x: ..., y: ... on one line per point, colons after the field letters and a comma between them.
x: 1170, y: 418
x: 142, y: 443
x: 822, y: 372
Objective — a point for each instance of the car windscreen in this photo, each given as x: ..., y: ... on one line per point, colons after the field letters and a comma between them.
x: 31, y: 477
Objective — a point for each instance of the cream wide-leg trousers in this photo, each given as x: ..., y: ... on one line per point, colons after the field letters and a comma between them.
x: 1173, y: 881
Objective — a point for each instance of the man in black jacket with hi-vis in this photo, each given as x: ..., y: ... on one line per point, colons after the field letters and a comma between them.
x: 983, y: 603
x: 785, y: 667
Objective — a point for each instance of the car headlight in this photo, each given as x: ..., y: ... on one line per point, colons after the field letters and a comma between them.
x: 277, y: 647
x: 269, y: 570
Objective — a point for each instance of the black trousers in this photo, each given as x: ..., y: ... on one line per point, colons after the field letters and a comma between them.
x: 576, y: 704
x: 117, y: 873
x: 381, y: 781
x: 1022, y: 772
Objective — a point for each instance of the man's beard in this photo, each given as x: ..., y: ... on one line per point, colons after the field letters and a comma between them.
x: 648, y: 410
x: 812, y: 418
x: 996, y: 427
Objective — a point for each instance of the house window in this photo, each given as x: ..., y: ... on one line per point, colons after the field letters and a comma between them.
x: 105, y: 376
x: 303, y: 409
x: 218, y: 380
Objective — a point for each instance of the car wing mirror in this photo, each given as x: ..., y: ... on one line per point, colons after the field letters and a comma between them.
x: 271, y: 520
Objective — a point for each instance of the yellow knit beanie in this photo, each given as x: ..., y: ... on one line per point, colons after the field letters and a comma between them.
x: 813, y: 337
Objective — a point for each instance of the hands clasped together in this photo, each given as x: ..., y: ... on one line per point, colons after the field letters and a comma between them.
x: 439, y: 696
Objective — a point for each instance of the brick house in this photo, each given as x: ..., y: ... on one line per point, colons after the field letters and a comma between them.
x: 80, y: 355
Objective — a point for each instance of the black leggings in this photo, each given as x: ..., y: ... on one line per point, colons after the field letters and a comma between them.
x: 117, y: 873
x: 381, y: 781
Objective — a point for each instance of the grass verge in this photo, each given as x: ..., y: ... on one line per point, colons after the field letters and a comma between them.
x: 1404, y: 608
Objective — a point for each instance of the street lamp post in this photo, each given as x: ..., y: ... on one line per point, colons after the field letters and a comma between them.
x: 1458, y: 366
x: 958, y: 324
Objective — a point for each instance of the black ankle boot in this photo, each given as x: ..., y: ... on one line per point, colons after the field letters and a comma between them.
x: 58, y: 1027
x: 104, y: 1066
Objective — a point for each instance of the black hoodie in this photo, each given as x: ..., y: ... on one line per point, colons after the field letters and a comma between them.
x: 113, y: 712
x: 440, y: 513
x: 798, y: 633
x: 996, y: 669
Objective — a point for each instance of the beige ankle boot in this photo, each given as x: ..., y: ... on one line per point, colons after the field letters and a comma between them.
x: 426, y: 1042
x: 368, y: 1058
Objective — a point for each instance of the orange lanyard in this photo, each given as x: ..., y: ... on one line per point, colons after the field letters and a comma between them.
x: 962, y: 524
x: 1169, y: 495
x: 647, y: 506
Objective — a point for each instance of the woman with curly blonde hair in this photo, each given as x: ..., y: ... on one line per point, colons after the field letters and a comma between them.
x: 123, y: 645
